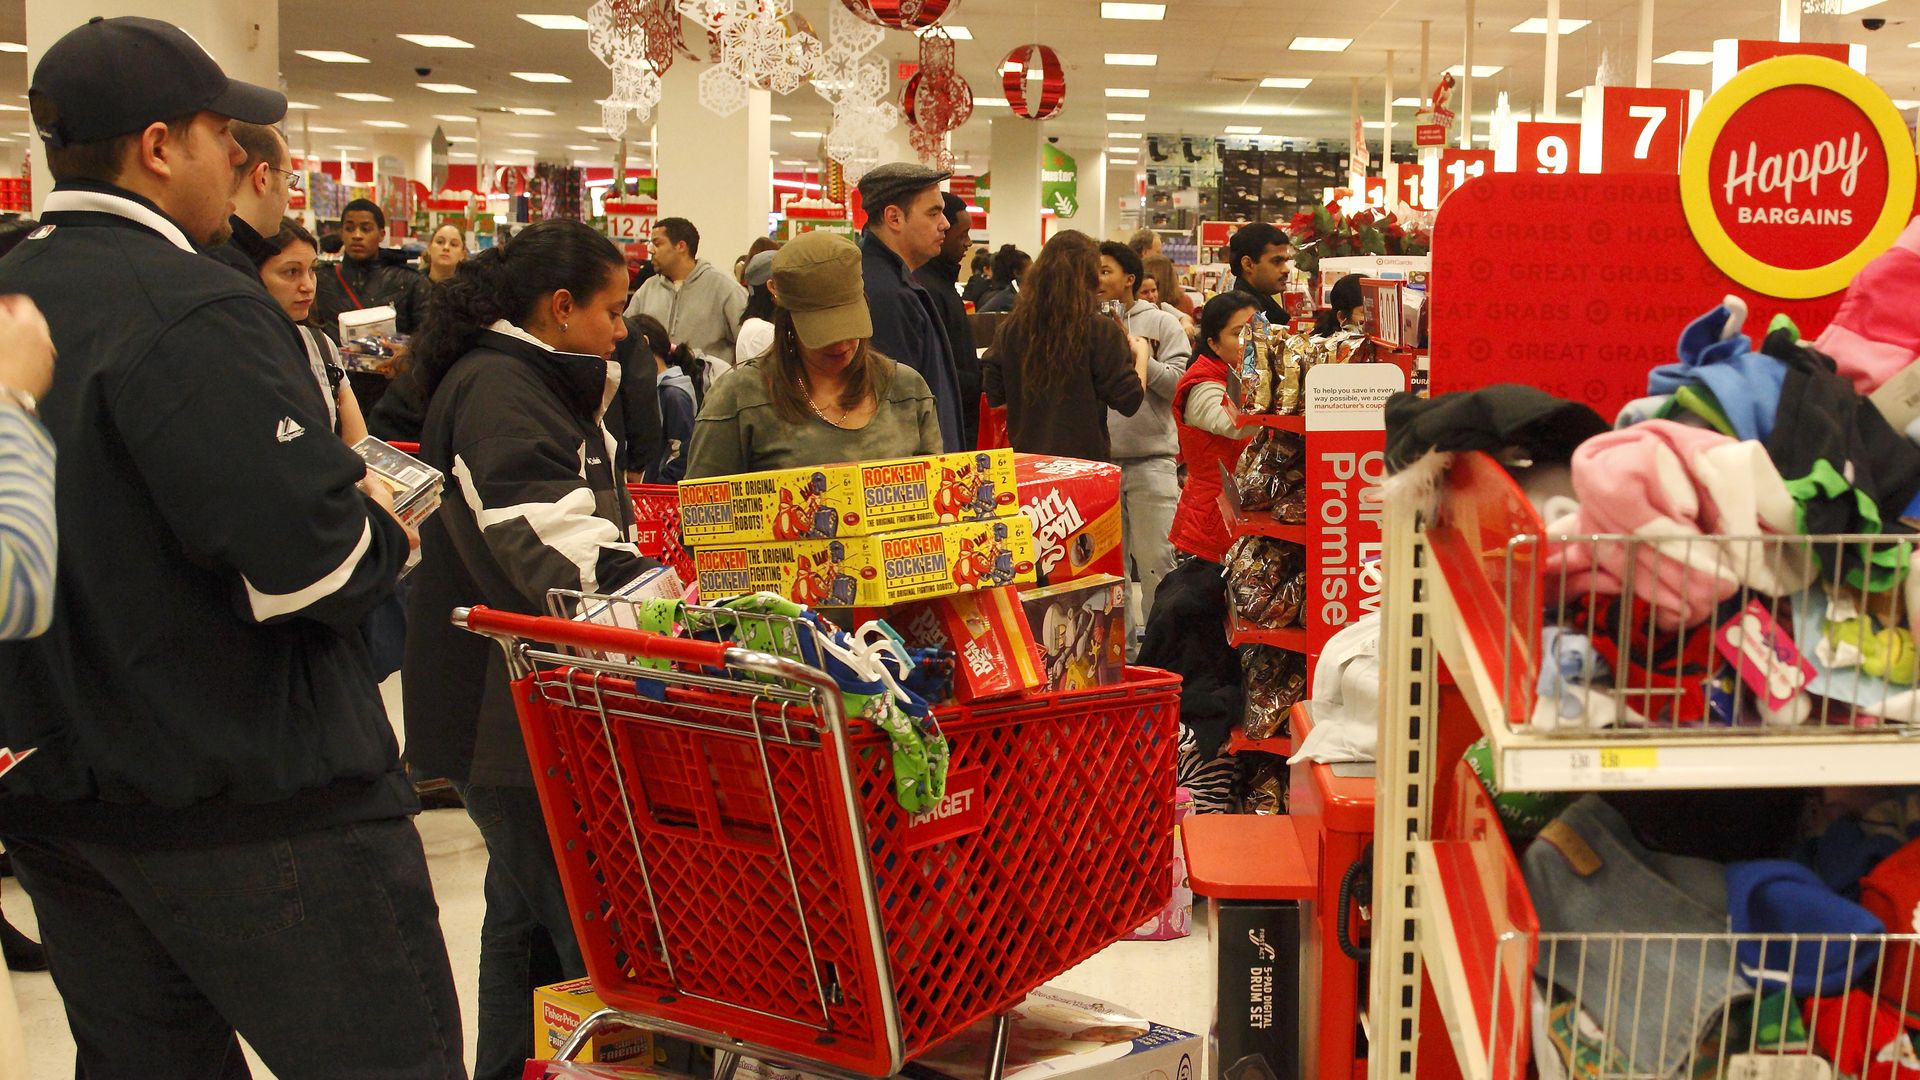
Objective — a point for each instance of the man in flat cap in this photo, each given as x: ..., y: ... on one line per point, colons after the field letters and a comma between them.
x: 906, y: 225
x: 213, y: 824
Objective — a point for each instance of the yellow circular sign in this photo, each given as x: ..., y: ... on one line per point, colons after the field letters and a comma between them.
x: 1805, y: 166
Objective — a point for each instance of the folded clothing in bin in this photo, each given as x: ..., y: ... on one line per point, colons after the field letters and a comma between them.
x: 1588, y: 874
x: 1773, y: 896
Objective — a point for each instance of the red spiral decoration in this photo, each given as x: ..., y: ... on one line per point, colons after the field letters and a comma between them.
x: 900, y: 14
x: 1053, y: 82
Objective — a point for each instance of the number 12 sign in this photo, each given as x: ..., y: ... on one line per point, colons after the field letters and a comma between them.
x: 1634, y: 129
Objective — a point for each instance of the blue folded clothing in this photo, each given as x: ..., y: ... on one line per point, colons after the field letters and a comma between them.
x: 1816, y: 954
x: 1745, y: 383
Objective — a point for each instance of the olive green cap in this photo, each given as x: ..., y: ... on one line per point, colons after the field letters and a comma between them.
x: 816, y: 277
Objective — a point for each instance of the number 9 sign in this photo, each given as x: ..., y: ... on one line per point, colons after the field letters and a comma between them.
x: 1548, y: 148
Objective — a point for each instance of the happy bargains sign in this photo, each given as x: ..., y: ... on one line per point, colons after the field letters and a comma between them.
x: 1797, y: 173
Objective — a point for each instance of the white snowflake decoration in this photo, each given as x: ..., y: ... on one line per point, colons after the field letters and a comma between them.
x: 613, y: 35
x: 721, y: 92
x: 636, y: 90
x: 857, y: 89
x: 613, y: 117
x: 758, y: 51
x: 714, y: 14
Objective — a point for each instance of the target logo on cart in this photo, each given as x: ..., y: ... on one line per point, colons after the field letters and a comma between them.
x: 1798, y: 172
x: 962, y: 812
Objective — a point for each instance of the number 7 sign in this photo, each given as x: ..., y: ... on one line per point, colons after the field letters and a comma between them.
x: 1634, y: 129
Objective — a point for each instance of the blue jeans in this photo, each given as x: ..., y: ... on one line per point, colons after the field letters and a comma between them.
x: 322, y: 949
x: 526, y: 938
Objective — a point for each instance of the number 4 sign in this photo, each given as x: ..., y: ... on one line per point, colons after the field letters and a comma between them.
x: 1635, y: 129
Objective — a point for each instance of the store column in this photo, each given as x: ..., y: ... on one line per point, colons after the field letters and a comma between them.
x: 1014, y: 154
x: 714, y: 170
x: 243, y: 35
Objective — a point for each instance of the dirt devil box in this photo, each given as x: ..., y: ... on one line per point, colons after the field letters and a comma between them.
x: 841, y: 501
x: 994, y: 650
x: 1074, y: 508
x: 874, y: 571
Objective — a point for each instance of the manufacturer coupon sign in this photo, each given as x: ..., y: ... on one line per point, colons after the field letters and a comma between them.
x: 1797, y: 173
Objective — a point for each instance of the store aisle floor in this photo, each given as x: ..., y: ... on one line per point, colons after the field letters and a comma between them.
x: 1171, y: 982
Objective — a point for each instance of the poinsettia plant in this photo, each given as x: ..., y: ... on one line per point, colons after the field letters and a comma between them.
x: 1329, y: 232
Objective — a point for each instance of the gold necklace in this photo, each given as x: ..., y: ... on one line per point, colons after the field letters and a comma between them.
x: 806, y: 392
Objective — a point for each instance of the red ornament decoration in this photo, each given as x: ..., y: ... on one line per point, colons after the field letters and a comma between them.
x: 937, y: 100
x: 900, y: 14
x: 1053, y: 82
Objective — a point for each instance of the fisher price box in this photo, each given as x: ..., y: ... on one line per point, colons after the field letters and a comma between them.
x: 562, y: 1007
x: 844, y: 501
x: 873, y: 571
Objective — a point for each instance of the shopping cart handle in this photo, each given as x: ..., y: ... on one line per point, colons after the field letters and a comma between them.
x: 640, y: 643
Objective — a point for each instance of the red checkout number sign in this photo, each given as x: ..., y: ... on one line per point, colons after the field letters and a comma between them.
x: 1546, y: 147
x: 1642, y: 129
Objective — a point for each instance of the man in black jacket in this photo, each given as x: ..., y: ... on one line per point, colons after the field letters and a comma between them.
x: 263, y: 184
x: 1260, y: 253
x: 214, y: 825
x: 906, y: 224
x: 941, y: 278
x: 363, y: 278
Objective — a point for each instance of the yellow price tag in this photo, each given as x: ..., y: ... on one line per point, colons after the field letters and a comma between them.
x: 1634, y: 757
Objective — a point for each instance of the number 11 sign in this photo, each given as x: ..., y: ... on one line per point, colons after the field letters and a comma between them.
x: 1635, y: 129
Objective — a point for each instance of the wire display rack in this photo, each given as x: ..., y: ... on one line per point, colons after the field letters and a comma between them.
x: 1475, y: 580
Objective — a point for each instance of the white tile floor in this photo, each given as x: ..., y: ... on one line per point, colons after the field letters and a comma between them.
x: 1169, y: 982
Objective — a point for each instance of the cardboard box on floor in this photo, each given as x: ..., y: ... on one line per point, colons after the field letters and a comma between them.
x: 562, y: 1007
x: 1055, y: 1034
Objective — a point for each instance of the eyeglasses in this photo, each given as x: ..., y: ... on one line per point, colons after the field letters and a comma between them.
x: 294, y: 180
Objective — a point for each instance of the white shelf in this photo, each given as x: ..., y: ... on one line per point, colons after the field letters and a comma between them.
x: 1650, y: 759
x: 1446, y: 966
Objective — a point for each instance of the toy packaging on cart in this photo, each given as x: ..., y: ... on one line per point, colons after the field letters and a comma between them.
x: 874, y: 571
x: 1082, y: 627
x: 843, y: 501
x: 562, y: 1007
x: 995, y: 650
x: 1074, y: 508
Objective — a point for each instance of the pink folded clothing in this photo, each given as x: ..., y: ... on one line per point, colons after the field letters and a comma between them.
x: 1679, y: 492
x: 1876, y: 331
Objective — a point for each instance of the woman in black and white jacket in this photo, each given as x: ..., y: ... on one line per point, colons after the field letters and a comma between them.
x: 516, y: 358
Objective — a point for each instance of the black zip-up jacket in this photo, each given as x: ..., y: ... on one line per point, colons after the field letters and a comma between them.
x: 204, y: 680
x: 532, y: 503
x: 941, y: 278
x: 350, y: 285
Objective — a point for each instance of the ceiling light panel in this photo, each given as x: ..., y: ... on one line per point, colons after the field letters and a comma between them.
x: 1480, y: 71
x: 1539, y: 26
x: 1280, y: 83
x: 435, y: 41
x: 521, y: 111
x: 1408, y: 103
x: 1125, y: 92
x: 780, y: 118
x: 1115, y: 59
x: 12, y: 46
x: 330, y: 56
x: 1134, y: 12
x: 300, y: 105
x: 386, y: 123
x: 446, y: 88
x: 540, y: 76
x: 990, y: 102
x: 359, y: 96
x: 1125, y: 135
x: 1320, y: 44
x: 1244, y: 130
x: 1127, y: 117
x: 805, y: 134
x: 558, y: 22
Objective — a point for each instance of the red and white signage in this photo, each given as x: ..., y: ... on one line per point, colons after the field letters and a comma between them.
x: 630, y: 220
x: 1545, y: 147
x: 1346, y: 448
x: 1800, y: 172
x: 1635, y: 129
x: 1458, y: 166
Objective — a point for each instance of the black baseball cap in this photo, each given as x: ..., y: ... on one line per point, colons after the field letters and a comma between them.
x: 113, y: 77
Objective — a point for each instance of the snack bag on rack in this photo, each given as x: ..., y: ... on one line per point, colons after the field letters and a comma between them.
x: 1258, y: 369
x: 1292, y: 358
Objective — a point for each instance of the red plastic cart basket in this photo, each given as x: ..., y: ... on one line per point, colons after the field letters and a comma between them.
x: 740, y: 873
x: 656, y: 526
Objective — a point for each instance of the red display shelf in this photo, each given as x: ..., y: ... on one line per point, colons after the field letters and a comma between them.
x: 1238, y: 743
x: 1293, y: 422
x: 1257, y: 523
x: 1239, y: 632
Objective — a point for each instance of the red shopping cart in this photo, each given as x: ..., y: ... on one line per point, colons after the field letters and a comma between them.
x: 656, y: 526
x: 741, y: 875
